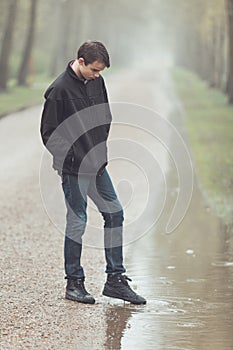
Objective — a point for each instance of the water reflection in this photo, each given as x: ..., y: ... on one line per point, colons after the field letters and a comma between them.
x: 188, y: 280
x: 117, y: 317
x: 187, y: 276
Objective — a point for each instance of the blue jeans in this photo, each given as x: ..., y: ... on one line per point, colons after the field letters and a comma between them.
x: 100, y: 189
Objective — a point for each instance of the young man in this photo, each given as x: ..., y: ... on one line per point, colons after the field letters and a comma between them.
x: 74, y: 128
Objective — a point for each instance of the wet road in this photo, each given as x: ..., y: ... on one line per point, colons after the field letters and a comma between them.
x: 187, y: 279
x: 186, y: 276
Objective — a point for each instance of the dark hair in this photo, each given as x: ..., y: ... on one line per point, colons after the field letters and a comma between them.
x: 92, y: 51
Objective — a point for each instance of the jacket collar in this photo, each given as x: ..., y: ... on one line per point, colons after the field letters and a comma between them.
x: 72, y: 74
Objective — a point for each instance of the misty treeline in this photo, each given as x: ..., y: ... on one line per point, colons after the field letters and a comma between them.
x: 204, y: 34
x: 38, y: 37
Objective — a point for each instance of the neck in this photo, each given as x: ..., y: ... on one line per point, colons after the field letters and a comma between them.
x: 75, y: 67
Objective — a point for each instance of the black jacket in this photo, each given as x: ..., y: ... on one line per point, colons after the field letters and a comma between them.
x: 75, y: 124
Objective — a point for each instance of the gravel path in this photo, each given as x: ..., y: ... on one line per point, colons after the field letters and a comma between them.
x: 34, y: 313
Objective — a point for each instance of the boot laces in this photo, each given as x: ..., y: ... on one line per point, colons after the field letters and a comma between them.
x: 130, y: 291
x: 124, y: 279
x: 80, y: 284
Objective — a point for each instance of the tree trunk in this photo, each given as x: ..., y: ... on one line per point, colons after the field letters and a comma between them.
x: 61, y: 54
x: 220, y: 54
x: 213, y: 56
x: 7, y: 44
x: 24, y: 67
x: 230, y: 50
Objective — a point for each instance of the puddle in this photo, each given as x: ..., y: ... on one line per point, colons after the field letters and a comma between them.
x: 187, y: 279
x: 190, y: 298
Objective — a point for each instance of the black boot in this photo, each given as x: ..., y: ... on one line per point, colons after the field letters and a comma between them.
x: 117, y: 286
x: 75, y: 290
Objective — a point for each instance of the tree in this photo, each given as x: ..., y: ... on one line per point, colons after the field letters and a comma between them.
x: 61, y: 52
x: 7, y: 44
x: 24, y: 67
x: 200, y: 38
x: 229, y: 4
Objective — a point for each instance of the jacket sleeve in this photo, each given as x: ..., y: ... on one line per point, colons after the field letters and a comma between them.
x: 51, y: 134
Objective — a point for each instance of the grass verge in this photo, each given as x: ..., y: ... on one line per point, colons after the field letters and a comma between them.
x: 209, y: 123
x: 20, y: 97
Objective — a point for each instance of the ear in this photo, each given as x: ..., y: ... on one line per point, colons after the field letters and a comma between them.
x: 81, y: 61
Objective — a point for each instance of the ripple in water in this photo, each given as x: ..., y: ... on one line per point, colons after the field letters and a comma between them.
x: 222, y: 263
x: 191, y: 325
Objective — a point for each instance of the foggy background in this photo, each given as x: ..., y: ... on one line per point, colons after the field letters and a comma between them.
x: 38, y: 37
x: 169, y: 56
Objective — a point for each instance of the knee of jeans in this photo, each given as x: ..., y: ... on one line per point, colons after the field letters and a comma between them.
x: 75, y: 226
x: 113, y: 219
x: 76, y: 217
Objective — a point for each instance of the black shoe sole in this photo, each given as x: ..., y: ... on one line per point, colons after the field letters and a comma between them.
x: 108, y: 294
x: 70, y: 297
